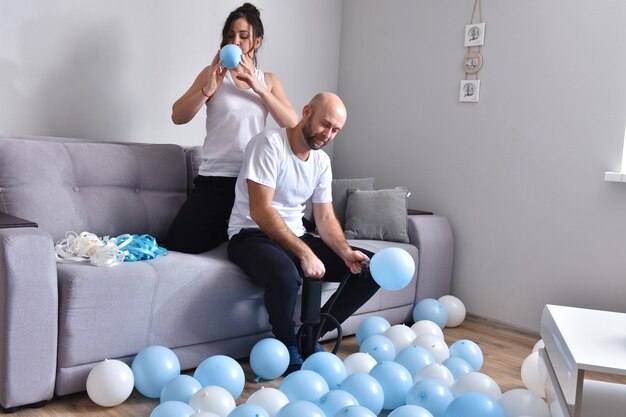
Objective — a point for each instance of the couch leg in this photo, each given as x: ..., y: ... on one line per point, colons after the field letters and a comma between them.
x: 10, y: 410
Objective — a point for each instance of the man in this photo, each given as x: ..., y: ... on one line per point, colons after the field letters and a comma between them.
x: 282, y: 169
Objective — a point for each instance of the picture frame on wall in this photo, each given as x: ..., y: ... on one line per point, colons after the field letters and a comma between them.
x: 475, y: 34
x: 470, y: 91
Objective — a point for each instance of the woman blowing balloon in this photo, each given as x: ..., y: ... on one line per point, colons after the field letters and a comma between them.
x: 237, y: 102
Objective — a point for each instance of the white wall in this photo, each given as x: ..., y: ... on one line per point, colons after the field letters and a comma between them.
x: 111, y: 69
x: 520, y: 174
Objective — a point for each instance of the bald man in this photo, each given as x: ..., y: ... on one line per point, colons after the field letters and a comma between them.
x: 282, y: 169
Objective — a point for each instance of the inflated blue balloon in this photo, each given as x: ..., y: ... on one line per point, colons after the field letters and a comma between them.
x: 468, y: 350
x: 370, y: 326
x: 154, y: 367
x: 458, y: 366
x: 431, y: 309
x: 366, y: 389
x: 395, y: 381
x: 329, y: 366
x: 248, y: 410
x: 431, y: 394
x: 414, y: 358
x: 392, y: 268
x: 223, y: 371
x: 335, y: 400
x: 230, y: 55
x: 304, y: 385
x: 172, y: 409
x: 410, y: 410
x: 379, y: 347
x: 474, y: 404
x: 269, y: 358
x: 300, y: 408
x: 355, y: 411
x: 180, y: 388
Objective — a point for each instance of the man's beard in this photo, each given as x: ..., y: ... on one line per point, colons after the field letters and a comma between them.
x: 310, y: 137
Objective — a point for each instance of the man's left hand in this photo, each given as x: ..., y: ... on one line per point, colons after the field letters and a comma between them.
x: 355, y: 260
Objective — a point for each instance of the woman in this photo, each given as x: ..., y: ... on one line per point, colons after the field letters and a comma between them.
x: 237, y: 103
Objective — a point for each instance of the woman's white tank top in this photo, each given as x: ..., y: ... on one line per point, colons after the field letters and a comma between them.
x: 233, y: 117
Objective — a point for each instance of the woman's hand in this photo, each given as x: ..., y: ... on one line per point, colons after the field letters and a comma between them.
x: 246, y: 73
x: 216, y: 75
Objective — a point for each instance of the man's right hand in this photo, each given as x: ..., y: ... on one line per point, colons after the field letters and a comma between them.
x: 312, y: 266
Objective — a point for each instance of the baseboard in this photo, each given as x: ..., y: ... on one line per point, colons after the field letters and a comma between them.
x: 501, y: 325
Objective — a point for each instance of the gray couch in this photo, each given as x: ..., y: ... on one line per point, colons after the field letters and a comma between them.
x: 58, y: 320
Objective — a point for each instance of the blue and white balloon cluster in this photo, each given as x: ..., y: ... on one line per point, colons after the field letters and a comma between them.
x: 406, y: 371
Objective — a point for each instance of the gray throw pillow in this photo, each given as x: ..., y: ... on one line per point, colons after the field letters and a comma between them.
x: 340, y: 189
x: 340, y: 194
x: 377, y: 215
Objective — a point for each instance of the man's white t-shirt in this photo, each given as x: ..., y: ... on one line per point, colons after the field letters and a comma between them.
x: 270, y: 161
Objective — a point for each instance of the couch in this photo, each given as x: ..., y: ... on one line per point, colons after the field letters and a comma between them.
x: 58, y: 320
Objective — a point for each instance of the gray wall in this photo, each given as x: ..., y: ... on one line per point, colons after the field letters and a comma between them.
x: 519, y: 174
x: 111, y: 69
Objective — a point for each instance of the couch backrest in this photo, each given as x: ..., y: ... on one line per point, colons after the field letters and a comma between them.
x: 100, y: 187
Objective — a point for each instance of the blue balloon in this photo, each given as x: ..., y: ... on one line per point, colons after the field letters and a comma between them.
x: 248, y: 410
x: 410, y: 410
x: 222, y: 371
x: 335, y: 400
x: 414, y: 358
x: 468, y: 350
x: 431, y: 394
x: 392, y: 268
x: 474, y: 404
x: 329, y: 366
x: 371, y: 326
x: 269, y: 358
x: 458, y: 366
x: 180, y: 388
x: 230, y: 55
x: 431, y: 309
x: 172, y: 409
x: 379, y: 347
x: 300, y: 408
x: 367, y: 391
x: 395, y: 381
x: 154, y: 367
x: 355, y: 411
x: 304, y: 385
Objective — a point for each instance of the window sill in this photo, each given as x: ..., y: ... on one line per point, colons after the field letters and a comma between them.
x: 615, y: 176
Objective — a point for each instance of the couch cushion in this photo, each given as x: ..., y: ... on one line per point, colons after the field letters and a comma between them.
x: 103, y: 188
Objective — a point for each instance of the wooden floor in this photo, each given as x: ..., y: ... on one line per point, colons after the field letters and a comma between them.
x: 504, y: 350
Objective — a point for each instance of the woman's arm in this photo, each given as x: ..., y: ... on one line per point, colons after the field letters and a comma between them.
x: 203, y: 87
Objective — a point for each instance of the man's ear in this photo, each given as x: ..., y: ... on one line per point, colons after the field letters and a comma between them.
x: 306, y: 111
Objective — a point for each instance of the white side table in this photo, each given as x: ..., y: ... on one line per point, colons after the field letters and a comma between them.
x: 578, y: 340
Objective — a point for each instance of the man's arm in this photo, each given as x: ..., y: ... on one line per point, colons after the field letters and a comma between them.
x: 274, y: 226
x: 330, y: 231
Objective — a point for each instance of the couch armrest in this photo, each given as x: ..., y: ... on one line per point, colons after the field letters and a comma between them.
x: 28, y: 316
x: 433, y: 237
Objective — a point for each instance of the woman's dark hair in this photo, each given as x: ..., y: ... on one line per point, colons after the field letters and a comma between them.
x: 253, y: 17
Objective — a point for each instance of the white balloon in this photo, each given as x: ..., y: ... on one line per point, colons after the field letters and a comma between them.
x: 400, y: 335
x: 359, y: 362
x: 455, y: 308
x: 535, y: 374
x: 538, y: 345
x: 213, y: 399
x: 421, y: 327
x: 270, y: 399
x: 521, y: 402
x: 435, y: 371
x: 435, y: 345
x: 110, y: 383
x: 477, y: 382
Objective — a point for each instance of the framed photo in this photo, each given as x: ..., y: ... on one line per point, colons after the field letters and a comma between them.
x: 475, y: 34
x: 470, y: 90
